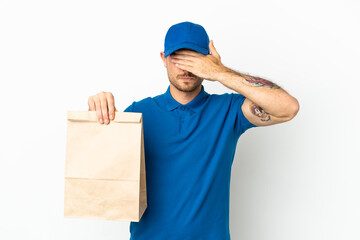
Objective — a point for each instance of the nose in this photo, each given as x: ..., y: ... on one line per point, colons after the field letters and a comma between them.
x: 186, y: 73
x: 183, y: 71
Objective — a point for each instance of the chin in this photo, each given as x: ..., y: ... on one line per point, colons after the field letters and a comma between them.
x: 187, y: 87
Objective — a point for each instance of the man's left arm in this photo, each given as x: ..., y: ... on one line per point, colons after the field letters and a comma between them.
x: 265, y: 104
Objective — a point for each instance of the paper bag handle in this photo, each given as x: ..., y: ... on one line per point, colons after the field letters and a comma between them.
x: 132, y: 117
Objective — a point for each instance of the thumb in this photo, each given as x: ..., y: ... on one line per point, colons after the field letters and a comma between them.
x: 212, y: 49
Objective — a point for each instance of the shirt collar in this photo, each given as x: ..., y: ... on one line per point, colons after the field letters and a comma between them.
x: 171, y: 103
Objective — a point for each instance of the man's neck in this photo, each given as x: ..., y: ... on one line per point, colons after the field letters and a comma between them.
x: 184, y: 97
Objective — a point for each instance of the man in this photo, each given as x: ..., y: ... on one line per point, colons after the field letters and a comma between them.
x: 190, y: 137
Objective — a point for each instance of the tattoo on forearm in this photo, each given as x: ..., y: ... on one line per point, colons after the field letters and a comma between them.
x: 256, y: 81
x: 259, y: 82
x: 258, y: 111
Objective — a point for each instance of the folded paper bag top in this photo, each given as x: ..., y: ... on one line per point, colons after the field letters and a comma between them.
x: 91, y: 116
x: 105, y: 167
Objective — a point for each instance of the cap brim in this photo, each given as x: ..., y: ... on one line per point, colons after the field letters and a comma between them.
x: 187, y: 45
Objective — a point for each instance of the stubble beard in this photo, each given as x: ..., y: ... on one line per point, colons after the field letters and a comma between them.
x: 189, y: 86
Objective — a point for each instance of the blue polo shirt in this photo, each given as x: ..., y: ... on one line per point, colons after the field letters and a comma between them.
x: 189, y: 150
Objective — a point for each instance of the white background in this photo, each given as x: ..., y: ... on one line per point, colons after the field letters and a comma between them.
x: 292, y: 181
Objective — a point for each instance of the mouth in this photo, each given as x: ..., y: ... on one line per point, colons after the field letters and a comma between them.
x: 187, y: 79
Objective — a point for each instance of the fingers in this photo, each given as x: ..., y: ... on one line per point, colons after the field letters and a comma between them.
x: 111, y: 105
x: 104, y: 107
x: 103, y: 104
x: 91, y: 104
x: 98, y: 108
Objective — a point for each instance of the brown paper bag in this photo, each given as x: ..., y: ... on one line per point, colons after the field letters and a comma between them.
x: 105, y: 167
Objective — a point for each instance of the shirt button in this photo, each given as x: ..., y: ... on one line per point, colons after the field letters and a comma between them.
x: 182, y: 108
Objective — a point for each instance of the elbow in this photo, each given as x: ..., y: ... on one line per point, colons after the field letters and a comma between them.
x: 293, y: 109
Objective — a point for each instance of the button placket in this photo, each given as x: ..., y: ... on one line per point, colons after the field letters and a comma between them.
x: 182, y: 114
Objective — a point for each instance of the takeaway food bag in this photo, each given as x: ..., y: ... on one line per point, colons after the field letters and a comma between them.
x: 105, y: 167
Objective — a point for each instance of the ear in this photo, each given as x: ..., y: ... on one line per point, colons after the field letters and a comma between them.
x: 162, y: 54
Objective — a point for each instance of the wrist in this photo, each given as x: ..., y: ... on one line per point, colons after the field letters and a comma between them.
x: 223, y: 74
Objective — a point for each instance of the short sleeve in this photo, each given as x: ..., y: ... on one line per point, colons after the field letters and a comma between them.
x: 130, y: 108
x: 241, y: 122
